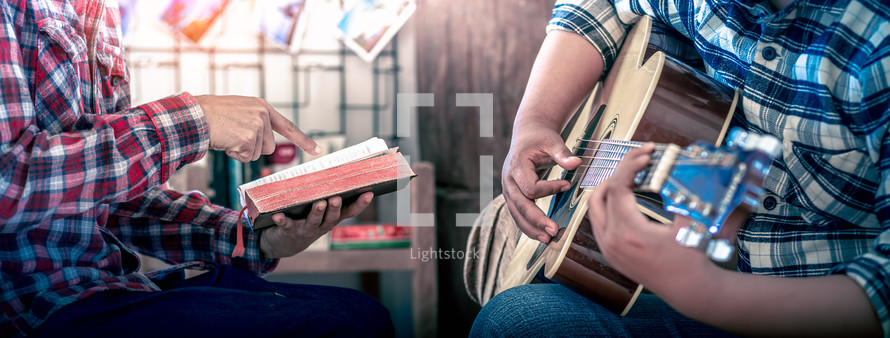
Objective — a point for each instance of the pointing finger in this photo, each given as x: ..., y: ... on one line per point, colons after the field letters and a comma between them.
x: 268, y: 139
x: 289, y: 130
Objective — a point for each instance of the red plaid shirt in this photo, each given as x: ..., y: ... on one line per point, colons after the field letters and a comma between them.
x: 82, y: 173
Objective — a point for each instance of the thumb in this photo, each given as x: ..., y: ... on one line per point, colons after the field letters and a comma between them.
x: 562, y: 155
x: 289, y: 130
x: 280, y: 220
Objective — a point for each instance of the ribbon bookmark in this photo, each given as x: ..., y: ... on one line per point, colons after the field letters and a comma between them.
x: 239, y: 236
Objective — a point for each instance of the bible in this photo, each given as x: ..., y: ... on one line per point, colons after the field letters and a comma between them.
x: 348, y: 173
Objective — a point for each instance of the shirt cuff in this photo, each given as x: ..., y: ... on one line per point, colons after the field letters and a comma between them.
x: 252, y: 259
x: 182, y: 131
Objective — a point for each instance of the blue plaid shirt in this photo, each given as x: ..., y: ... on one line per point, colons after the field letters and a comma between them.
x: 815, y: 74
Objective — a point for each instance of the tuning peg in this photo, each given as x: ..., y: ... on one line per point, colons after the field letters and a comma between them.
x: 719, y: 250
x: 688, y: 237
x: 768, y: 144
x: 707, y: 209
x: 744, y: 140
x: 679, y: 198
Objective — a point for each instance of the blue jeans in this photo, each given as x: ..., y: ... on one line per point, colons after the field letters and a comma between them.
x: 548, y: 310
x: 225, y: 302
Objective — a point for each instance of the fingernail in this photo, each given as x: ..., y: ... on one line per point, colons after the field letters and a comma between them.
x: 551, y: 231
x: 278, y: 218
x: 544, y: 238
x: 316, y: 151
x: 335, y: 203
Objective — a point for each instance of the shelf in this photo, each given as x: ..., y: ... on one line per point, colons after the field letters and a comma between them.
x: 358, y: 260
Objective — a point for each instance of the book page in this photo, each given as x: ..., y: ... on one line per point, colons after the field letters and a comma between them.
x: 342, y: 156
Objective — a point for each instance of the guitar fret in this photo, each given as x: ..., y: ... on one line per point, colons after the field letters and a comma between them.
x: 604, y: 155
x: 603, y: 160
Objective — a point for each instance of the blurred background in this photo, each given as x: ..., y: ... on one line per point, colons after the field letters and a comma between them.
x: 338, y: 68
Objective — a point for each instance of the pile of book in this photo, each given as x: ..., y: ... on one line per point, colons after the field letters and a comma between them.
x: 370, y: 236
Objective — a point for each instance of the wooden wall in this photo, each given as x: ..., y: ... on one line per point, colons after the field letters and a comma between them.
x: 469, y: 46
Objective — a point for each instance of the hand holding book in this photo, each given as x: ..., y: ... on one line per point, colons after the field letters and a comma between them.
x: 349, y: 176
x: 367, y: 166
x: 292, y: 236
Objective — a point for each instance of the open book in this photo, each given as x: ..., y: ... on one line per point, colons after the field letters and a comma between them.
x: 350, y: 172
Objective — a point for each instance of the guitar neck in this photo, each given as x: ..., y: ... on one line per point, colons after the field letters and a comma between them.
x: 604, y: 156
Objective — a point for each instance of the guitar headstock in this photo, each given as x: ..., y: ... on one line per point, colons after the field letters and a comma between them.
x: 707, y: 184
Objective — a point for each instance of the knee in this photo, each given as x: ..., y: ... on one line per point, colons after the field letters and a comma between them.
x: 537, y: 309
x: 355, y: 313
x: 510, y: 313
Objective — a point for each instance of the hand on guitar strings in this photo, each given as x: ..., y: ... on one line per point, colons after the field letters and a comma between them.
x: 292, y: 236
x: 642, y: 249
x: 538, y: 147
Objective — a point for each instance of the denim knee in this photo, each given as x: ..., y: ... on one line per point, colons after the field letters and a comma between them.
x: 539, y: 310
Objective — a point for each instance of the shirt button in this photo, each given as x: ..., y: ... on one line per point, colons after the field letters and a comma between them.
x: 769, y: 203
x: 768, y: 53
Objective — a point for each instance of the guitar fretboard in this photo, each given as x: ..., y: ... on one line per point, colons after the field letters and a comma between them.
x: 605, y: 155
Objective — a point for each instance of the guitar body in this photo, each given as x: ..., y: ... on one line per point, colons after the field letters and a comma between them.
x: 646, y: 97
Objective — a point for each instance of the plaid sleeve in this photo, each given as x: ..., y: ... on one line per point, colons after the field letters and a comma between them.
x: 605, y: 24
x: 595, y: 20
x: 58, y: 156
x: 872, y: 270
x: 185, y: 227
x: 109, y: 158
x: 182, y: 131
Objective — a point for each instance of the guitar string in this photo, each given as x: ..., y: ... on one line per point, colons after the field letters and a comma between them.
x: 601, y: 167
x: 680, y: 161
x: 620, y: 151
x: 634, y: 144
x: 628, y: 144
x: 596, y: 173
x: 659, y: 147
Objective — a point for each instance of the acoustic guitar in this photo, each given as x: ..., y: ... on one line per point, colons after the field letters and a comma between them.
x: 648, y: 96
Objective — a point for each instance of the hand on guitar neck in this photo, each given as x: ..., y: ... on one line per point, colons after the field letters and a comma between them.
x: 642, y: 249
